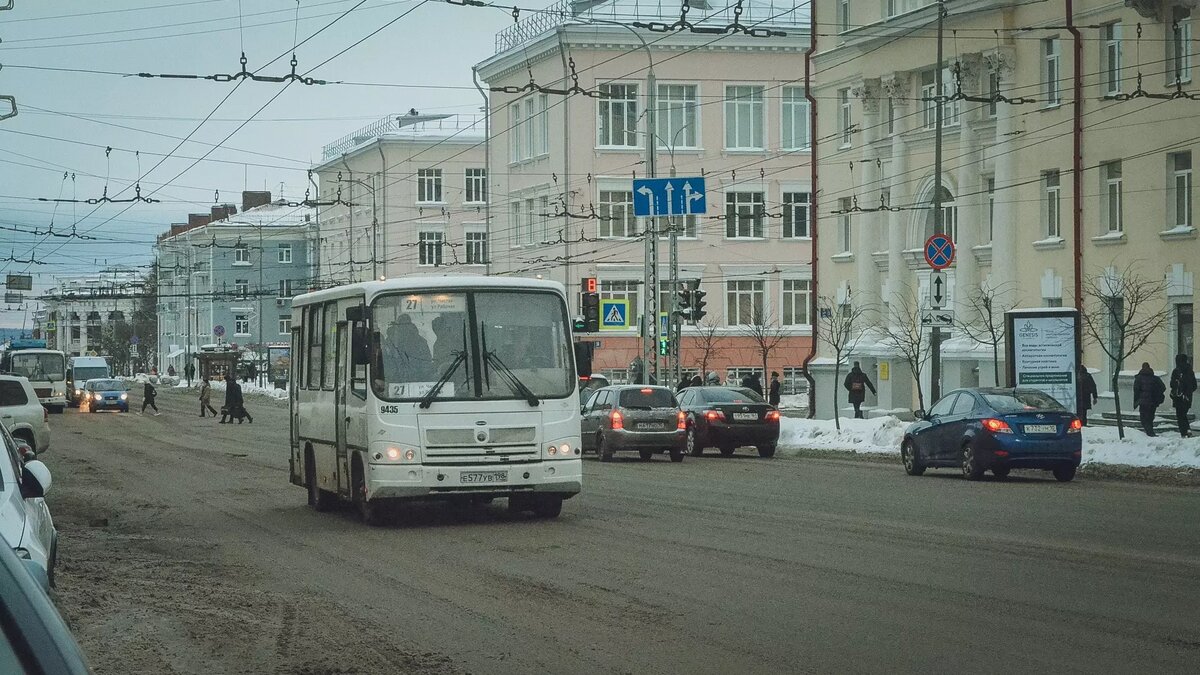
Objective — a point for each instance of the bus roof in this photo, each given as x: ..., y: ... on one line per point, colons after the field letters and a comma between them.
x: 370, y: 289
x: 36, y: 351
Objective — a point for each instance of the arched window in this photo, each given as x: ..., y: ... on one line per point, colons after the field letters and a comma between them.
x: 949, y: 217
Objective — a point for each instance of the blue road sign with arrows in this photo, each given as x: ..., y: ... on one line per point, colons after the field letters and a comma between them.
x: 669, y: 196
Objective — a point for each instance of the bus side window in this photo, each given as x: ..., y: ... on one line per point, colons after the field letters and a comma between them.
x: 358, y: 366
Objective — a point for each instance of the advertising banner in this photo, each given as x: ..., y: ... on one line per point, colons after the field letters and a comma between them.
x: 1043, y: 352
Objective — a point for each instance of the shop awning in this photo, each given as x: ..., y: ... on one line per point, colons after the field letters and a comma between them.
x: 175, y: 353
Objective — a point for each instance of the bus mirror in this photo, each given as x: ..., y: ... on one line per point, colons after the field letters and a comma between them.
x: 360, y: 345
x: 354, y: 314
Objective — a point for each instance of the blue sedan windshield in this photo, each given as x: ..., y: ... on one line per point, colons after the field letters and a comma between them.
x: 1019, y: 401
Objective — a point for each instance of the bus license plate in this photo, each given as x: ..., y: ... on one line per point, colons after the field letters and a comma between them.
x: 1041, y: 428
x: 745, y: 417
x: 483, y: 477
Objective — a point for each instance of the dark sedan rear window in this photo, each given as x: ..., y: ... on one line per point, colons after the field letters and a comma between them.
x: 731, y: 396
x: 647, y: 398
x: 1018, y: 401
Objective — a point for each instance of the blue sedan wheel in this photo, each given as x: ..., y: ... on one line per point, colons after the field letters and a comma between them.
x: 970, y: 465
x: 912, y: 463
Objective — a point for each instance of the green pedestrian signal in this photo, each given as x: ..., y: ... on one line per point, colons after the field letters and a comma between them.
x: 664, y: 346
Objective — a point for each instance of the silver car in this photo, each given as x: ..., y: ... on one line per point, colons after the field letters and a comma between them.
x: 633, y: 417
x: 25, y: 522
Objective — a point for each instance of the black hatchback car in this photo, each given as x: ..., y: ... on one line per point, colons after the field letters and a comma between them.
x: 728, y: 418
x: 632, y: 417
x: 999, y: 429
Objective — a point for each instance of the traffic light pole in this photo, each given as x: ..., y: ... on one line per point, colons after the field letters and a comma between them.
x: 673, y: 319
x: 650, y: 320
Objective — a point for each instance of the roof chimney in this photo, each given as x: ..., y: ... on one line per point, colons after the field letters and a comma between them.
x: 223, y: 211
x: 253, y: 198
x: 198, y: 219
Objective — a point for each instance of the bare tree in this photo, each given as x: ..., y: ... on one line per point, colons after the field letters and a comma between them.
x: 988, y: 305
x: 842, y: 326
x: 1127, y: 310
x: 766, y: 334
x: 906, y: 335
x: 708, y: 341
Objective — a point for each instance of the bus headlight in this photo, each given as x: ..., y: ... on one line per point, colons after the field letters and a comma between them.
x: 562, y: 450
x: 398, y: 454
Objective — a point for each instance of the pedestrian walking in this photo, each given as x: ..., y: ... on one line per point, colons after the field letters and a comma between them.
x: 148, y: 395
x: 206, y: 398
x: 171, y: 371
x: 1183, y: 386
x: 1087, y: 393
x: 1149, y: 392
x: 773, y: 392
x: 234, y: 407
x: 189, y: 371
x: 752, y: 383
x: 857, y: 383
x: 684, y: 383
x: 696, y: 381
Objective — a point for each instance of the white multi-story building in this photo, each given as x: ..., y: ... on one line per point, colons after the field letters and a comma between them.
x: 80, y: 309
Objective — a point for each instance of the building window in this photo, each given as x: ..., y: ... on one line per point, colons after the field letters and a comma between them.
x: 429, y: 185
x: 677, y: 116
x: 285, y: 288
x: 744, y: 213
x: 990, y: 182
x: 514, y: 225
x: 949, y: 224
x: 929, y: 98
x: 744, y: 117
x: 285, y: 254
x: 1052, y: 200
x: 845, y: 122
x: 744, y: 302
x: 241, y: 289
x: 285, y: 325
x: 844, y: 224
x: 616, y: 214
x: 735, y: 374
x: 795, y: 119
x: 1181, y: 188
x: 623, y: 290
x: 476, y: 186
x: 891, y: 116
x: 1052, y: 302
x: 1114, y: 307
x: 241, y: 324
x: 1110, y: 173
x: 430, y: 248
x: 516, y: 119
x: 796, y: 301
x: 1180, y: 49
x: 532, y: 137
x: 1050, y: 72
x: 477, y: 248
x: 241, y: 255
x: 793, y: 382
x: 843, y: 15
x: 532, y: 218
x: 795, y: 215
x: 1185, y: 330
x: 1110, y: 58
x: 994, y: 92
x: 617, y: 116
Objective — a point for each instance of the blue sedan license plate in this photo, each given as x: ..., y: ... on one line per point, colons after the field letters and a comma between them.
x: 483, y: 477
x: 1041, y: 428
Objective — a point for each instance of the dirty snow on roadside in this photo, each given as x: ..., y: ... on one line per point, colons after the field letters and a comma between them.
x: 884, y: 434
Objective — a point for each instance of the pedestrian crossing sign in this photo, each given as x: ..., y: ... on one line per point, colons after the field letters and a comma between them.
x: 614, y: 314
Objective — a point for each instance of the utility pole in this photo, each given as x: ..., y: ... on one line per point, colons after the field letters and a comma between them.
x: 935, y: 336
x: 262, y: 340
x: 650, y: 321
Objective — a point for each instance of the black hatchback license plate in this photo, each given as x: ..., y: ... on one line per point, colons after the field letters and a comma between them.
x: 651, y: 426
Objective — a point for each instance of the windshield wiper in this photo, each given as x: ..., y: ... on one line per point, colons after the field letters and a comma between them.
x: 459, y: 359
x: 511, y: 379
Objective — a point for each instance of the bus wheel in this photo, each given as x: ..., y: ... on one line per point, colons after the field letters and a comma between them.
x: 320, y: 500
x: 369, y: 511
x: 547, y: 506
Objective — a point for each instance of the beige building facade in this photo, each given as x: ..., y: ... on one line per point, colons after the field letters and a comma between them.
x: 729, y: 108
x: 1027, y: 233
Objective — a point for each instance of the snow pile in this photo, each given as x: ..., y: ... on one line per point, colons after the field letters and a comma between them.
x: 793, y: 402
x: 1102, y: 446
x: 879, y: 434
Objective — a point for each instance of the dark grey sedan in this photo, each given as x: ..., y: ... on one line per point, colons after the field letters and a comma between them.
x: 633, y: 417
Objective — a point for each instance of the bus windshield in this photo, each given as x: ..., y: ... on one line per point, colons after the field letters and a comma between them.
x: 39, y: 367
x: 481, y: 344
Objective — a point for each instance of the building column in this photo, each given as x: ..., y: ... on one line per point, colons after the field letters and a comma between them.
x: 898, y: 87
x: 1004, y: 240
x: 870, y: 226
x: 971, y: 218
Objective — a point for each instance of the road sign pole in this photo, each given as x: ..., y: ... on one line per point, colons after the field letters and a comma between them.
x: 935, y: 337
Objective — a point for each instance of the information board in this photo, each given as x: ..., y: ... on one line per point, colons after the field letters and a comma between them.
x: 1043, y: 352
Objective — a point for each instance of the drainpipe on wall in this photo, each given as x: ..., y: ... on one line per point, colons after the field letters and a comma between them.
x: 487, y: 171
x: 383, y: 198
x: 1077, y: 155
x: 350, y: 228
x: 562, y: 55
x: 813, y: 219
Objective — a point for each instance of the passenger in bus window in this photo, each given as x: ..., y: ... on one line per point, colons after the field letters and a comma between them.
x: 406, y: 355
x: 448, y: 342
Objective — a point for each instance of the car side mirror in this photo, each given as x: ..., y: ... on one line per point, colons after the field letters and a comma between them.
x: 920, y: 414
x: 27, y: 452
x: 35, y: 479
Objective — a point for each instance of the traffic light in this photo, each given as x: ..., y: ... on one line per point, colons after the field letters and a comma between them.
x: 579, y: 324
x: 591, y: 312
x: 685, y: 304
x: 698, y: 303
x: 664, y: 346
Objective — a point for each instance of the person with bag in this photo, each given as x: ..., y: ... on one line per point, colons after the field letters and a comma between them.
x: 148, y: 395
x: 206, y: 398
x: 234, y: 404
x: 857, y: 383
x: 1183, y: 386
x: 773, y: 392
x: 1088, y: 394
x: 1149, y: 392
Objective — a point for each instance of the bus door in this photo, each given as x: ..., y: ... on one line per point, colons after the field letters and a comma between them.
x: 296, y: 464
x: 341, y: 414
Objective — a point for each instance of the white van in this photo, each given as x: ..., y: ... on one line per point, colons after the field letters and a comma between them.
x: 81, y: 369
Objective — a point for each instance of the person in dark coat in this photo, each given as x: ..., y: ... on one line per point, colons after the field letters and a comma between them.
x: 148, y: 395
x: 752, y: 383
x: 684, y: 383
x: 857, y: 383
x: 1183, y: 386
x: 234, y: 407
x: 696, y: 381
x: 189, y: 371
x: 1088, y: 395
x: 1148, y: 393
x: 773, y: 392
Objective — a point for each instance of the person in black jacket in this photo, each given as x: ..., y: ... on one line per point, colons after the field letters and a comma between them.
x: 1088, y: 395
x: 1183, y: 385
x: 1148, y: 393
x: 773, y: 392
x: 148, y: 395
x: 752, y: 383
x: 857, y: 383
x: 234, y: 407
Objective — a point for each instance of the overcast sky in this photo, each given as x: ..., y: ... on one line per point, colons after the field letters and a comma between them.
x: 67, y: 119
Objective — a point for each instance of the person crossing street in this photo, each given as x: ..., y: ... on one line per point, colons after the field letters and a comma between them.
x: 206, y: 398
x: 148, y: 395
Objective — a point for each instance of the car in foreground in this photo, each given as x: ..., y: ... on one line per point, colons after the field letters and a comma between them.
x: 728, y: 418
x: 632, y: 417
x: 35, y: 638
x: 25, y: 522
x: 106, y: 394
x: 981, y: 429
x: 22, y: 412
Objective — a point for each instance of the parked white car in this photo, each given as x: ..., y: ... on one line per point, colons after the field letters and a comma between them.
x: 25, y: 522
x: 23, y: 414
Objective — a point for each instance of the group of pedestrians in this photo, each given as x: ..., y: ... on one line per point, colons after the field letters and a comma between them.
x: 234, y: 408
x: 1149, y: 392
x: 751, y: 382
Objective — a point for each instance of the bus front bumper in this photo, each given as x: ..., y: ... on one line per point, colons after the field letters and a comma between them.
x: 388, y: 481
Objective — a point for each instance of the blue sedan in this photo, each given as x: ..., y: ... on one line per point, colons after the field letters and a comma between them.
x: 106, y: 395
x: 998, y: 429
